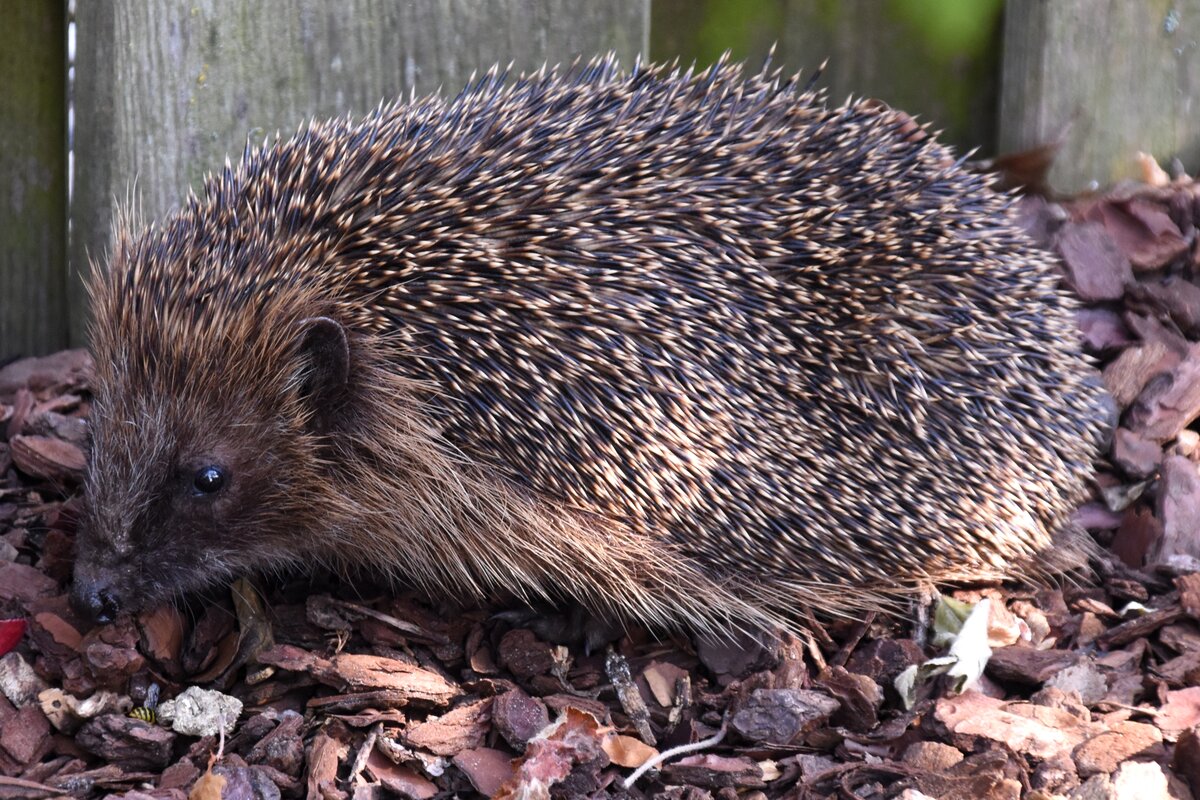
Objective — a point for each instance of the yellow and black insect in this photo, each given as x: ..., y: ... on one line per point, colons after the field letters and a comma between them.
x: 145, y: 714
x: 148, y: 712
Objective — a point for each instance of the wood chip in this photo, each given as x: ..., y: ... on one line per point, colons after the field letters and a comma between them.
x: 1141, y: 626
x: 519, y: 717
x: 1166, y: 406
x: 399, y: 779
x: 26, y: 735
x: 1096, y: 267
x: 782, y: 716
x: 525, y: 655
x: 324, y: 753
x: 487, y: 769
x: 129, y: 742
x: 1028, y: 666
x: 716, y: 772
x: 1128, y: 374
x: 1136, y: 456
x: 1178, y: 510
x: 462, y: 728
x: 48, y: 458
x: 360, y: 672
x: 1142, y: 230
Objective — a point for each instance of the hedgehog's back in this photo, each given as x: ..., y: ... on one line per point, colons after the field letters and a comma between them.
x: 801, y: 343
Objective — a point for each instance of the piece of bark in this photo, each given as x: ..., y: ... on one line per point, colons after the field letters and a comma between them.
x: 129, y: 742
x: 1128, y: 373
x: 1175, y: 297
x: 399, y: 779
x: 1137, y: 457
x: 360, y: 672
x: 1181, y: 671
x: 487, y: 769
x: 1186, y: 758
x: 860, y: 698
x: 462, y: 728
x: 1169, y: 403
x: 1138, y: 534
x: 519, y: 717
x: 26, y: 735
x: 48, y: 458
x: 931, y: 756
x: 61, y: 370
x: 1025, y: 665
x: 735, y: 656
x: 1189, y: 594
x: 24, y: 584
x: 972, y: 719
x: 1142, y: 230
x: 283, y: 747
x: 782, y: 716
x: 1141, y: 626
x: 1103, y: 330
x: 324, y: 753
x: 715, y: 772
x: 1178, y: 509
x: 1104, y: 752
x: 525, y: 655
x: 1096, y: 267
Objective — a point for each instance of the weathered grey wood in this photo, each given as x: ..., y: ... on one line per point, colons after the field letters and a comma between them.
x: 33, y: 176
x: 1116, y: 77
x: 941, y: 66
x: 166, y: 89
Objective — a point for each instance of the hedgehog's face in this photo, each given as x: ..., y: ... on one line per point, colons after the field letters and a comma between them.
x: 193, y: 489
x: 167, y: 508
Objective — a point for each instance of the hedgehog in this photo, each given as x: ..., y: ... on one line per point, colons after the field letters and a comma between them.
x: 692, y: 349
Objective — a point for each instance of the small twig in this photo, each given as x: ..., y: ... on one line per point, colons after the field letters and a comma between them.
x: 387, y: 619
x: 34, y: 786
x: 627, y: 692
x: 816, y: 632
x: 364, y: 752
x: 1150, y: 712
x: 682, y: 749
x: 683, y: 699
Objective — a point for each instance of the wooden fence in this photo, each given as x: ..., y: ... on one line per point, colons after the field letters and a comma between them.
x: 164, y: 90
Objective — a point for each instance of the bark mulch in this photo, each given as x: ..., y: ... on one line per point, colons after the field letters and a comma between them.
x: 323, y: 689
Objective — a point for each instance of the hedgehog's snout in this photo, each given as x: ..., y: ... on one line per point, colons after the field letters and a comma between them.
x: 96, y: 598
x: 100, y: 589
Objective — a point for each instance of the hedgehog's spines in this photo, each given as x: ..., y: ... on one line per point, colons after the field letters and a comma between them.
x: 684, y: 346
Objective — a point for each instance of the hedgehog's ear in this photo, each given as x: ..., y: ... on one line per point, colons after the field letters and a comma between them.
x: 325, y: 350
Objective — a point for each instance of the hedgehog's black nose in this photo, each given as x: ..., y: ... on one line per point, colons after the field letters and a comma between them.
x: 96, y: 600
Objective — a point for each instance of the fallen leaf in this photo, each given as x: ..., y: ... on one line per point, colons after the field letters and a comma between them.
x: 1181, y: 712
x: 627, y: 751
x: 207, y: 787
x: 11, y: 631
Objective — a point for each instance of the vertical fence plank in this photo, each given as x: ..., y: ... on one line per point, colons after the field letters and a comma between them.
x: 165, y: 89
x: 1108, y: 78
x: 33, y: 176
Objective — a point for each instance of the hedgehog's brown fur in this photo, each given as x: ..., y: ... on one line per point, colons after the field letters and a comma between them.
x: 690, y: 349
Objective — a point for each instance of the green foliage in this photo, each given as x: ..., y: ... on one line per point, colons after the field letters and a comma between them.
x: 736, y: 26
x: 948, y: 28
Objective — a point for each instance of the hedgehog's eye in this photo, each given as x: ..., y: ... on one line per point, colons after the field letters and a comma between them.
x: 209, y: 480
